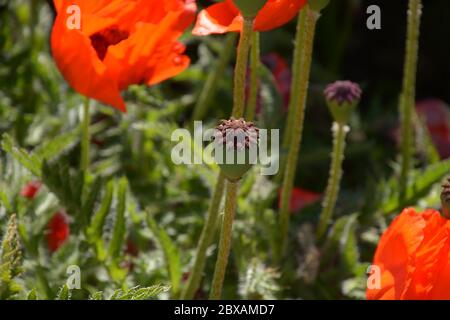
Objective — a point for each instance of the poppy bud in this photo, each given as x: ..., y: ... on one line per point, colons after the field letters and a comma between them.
x: 342, y: 98
x: 249, y: 8
x: 318, y: 5
x: 445, y: 199
x: 236, y: 145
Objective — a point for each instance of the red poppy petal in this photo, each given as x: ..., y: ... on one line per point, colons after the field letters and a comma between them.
x: 150, y: 55
x: 277, y: 13
x: 81, y: 67
x: 219, y: 18
x: 400, y: 241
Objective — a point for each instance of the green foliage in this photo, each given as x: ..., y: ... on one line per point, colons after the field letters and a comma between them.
x: 135, y: 218
x: 171, y: 255
x: 10, y: 260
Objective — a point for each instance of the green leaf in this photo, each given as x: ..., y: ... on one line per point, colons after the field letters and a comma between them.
x: 5, y: 200
x: 137, y: 293
x: 10, y: 260
x: 97, y: 296
x: 171, y: 255
x: 118, y: 236
x: 63, y: 293
x: 421, y: 183
x: 95, y: 228
x: 89, y: 201
x: 30, y: 162
x: 54, y: 147
x: 341, y: 242
x: 32, y: 295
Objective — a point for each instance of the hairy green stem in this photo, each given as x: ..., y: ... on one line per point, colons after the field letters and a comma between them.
x: 296, y: 75
x: 210, y: 86
x: 337, y: 157
x: 240, y: 71
x: 297, y: 128
x: 407, y: 98
x: 205, y: 241
x: 254, y: 78
x: 85, y: 138
x: 225, y: 241
x: 213, y: 212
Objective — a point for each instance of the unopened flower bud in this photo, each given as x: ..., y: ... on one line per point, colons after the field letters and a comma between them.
x: 445, y: 199
x: 249, y: 8
x: 236, y: 146
x: 342, y: 98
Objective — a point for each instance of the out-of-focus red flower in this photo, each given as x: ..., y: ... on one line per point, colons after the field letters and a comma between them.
x: 282, y: 74
x: 30, y: 189
x: 413, y: 257
x: 300, y: 198
x: 58, y: 231
x: 224, y: 17
x: 120, y: 42
x: 131, y: 249
x: 436, y: 114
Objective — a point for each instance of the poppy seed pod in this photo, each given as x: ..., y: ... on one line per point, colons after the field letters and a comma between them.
x: 249, y: 8
x: 236, y: 147
x: 342, y: 98
x: 445, y: 199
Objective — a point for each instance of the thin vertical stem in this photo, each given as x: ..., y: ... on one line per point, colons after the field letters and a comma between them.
x: 210, y: 86
x: 240, y: 74
x: 209, y: 227
x: 407, y: 98
x: 240, y: 71
x: 337, y: 157
x: 297, y: 129
x: 296, y: 75
x: 205, y: 241
x: 254, y: 78
x: 85, y: 138
x: 225, y: 241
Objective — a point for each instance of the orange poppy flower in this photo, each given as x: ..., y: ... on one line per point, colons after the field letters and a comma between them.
x: 119, y: 43
x: 413, y: 257
x: 224, y: 17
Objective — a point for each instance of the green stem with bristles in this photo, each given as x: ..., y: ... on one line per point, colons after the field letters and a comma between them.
x: 296, y: 130
x: 407, y: 98
x: 254, y: 78
x: 225, y: 241
x: 329, y: 202
x: 85, y: 137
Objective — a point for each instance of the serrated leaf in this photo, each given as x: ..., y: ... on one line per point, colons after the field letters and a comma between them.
x: 137, y: 293
x: 10, y: 260
x: 118, y: 236
x: 54, y: 147
x: 171, y: 255
x: 95, y: 229
x: 97, y: 296
x: 89, y: 203
x: 29, y: 161
x: 422, y: 182
x: 32, y: 295
x: 341, y: 242
x: 63, y: 293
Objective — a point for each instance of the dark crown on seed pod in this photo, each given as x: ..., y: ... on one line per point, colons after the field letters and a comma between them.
x: 236, y: 134
x: 342, y: 92
x: 445, y: 199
